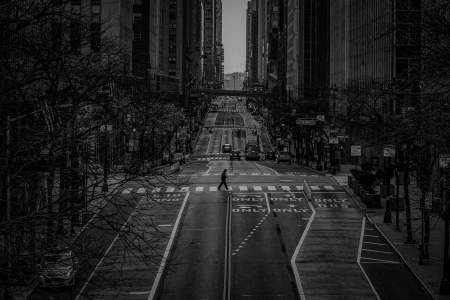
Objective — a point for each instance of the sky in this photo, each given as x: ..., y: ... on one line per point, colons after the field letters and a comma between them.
x: 233, y: 34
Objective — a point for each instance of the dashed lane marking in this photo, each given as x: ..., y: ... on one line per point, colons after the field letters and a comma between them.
x: 199, y: 189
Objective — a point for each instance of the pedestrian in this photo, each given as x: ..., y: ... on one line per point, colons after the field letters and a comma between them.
x: 223, y: 180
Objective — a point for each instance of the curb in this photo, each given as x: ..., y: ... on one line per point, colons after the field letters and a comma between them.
x: 415, y: 274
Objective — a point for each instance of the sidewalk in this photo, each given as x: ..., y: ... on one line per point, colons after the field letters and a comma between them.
x: 430, y: 274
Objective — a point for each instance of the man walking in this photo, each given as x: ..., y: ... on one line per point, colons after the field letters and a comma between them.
x: 223, y: 180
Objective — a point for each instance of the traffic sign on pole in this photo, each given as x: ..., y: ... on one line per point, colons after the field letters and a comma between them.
x: 355, y: 150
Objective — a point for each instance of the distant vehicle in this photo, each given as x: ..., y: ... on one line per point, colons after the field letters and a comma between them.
x: 270, y: 155
x: 235, y: 155
x: 58, y: 268
x: 252, y: 155
x: 284, y: 157
x: 226, y: 148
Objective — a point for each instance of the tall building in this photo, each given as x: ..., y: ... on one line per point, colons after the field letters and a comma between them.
x: 251, y: 58
x: 192, y: 37
x: 208, y: 43
x: 262, y: 42
x: 293, y: 59
x: 146, y: 40
x: 373, y: 43
x: 219, y: 51
x: 276, y: 40
x: 171, y: 47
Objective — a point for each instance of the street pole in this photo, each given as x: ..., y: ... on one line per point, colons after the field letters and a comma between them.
x: 445, y: 282
x: 105, y: 159
x: 8, y: 195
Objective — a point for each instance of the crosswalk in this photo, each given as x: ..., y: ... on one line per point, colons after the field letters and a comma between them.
x: 234, y: 188
x: 245, y: 174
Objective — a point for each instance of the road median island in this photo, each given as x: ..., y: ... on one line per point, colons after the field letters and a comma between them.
x: 330, y: 250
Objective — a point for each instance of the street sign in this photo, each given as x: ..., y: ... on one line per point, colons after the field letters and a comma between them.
x: 389, y: 151
x: 306, y: 122
x: 444, y: 160
x: 355, y: 150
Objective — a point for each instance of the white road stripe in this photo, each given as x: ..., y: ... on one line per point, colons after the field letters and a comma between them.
x: 314, y: 188
x: 297, y: 250
x: 377, y: 251
x: 329, y: 187
x: 168, y: 248
x: 358, y: 259
x: 299, y: 187
x: 375, y: 236
x: 127, y: 191
x: 213, y: 188
x: 156, y: 190
x: 257, y: 188
x: 285, y: 188
x: 199, y: 189
x: 170, y: 189
x: 271, y: 188
x: 243, y: 188
x: 372, y: 243
x: 381, y: 260
x: 141, y: 190
x: 184, y: 189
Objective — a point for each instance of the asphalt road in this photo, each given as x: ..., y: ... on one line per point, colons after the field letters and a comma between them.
x: 281, y: 232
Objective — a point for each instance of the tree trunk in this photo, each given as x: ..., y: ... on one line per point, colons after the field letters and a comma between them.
x: 409, y: 238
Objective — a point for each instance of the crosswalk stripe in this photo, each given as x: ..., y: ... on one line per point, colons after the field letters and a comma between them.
x: 285, y: 188
x: 243, y: 188
x: 271, y: 188
x: 299, y: 187
x: 255, y: 173
x: 170, y: 189
x: 184, y: 189
x: 141, y: 190
x: 199, y: 189
x: 213, y: 188
x: 266, y: 174
x: 315, y: 188
x: 329, y: 187
x: 156, y: 190
x: 257, y: 188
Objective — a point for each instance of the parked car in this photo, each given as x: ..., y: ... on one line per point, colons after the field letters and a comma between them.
x: 284, y: 157
x: 252, y: 155
x: 226, y: 148
x: 235, y: 155
x: 58, y: 268
x: 270, y: 155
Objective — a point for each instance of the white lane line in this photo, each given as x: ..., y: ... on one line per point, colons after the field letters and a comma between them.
x: 358, y: 259
x: 375, y: 236
x: 254, y: 174
x: 168, y: 248
x: 271, y: 188
x: 377, y: 251
x: 381, y: 260
x: 165, y: 225
x: 141, y: 190
x: 107, y: 251
x: 373, y: 243
x: 257, y: 188
x: 199, y: 189
x: 266, y: 174
x: 139, y: 293
x: 267, y: 203
x: 297, y: 250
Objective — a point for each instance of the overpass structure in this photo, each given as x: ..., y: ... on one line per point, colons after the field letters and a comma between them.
x: 217, y: 92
